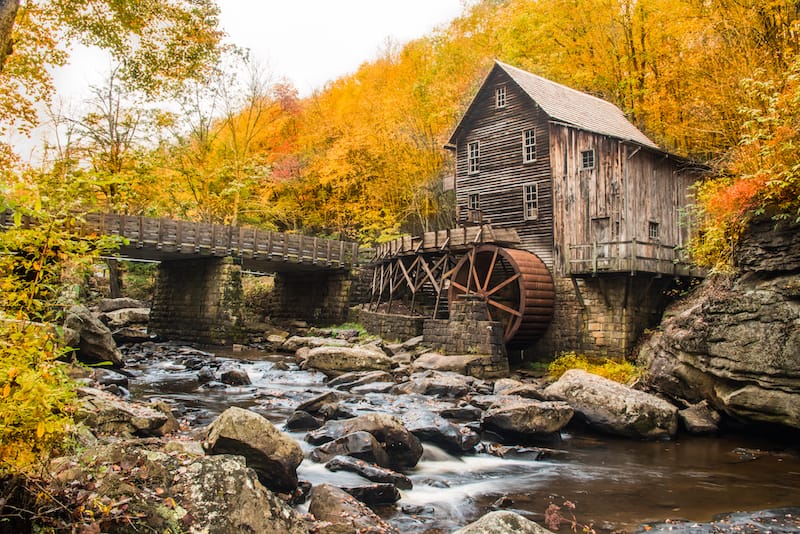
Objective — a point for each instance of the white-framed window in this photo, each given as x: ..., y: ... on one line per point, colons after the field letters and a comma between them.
x: 529, y: 146
x: 500, y: 96
x: 587, y: 159
x: 530, y: 200
x: 652, y: 230
x: 474, y: 157
x: 474, y: 201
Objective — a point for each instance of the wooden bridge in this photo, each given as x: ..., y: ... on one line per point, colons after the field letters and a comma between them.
x: 163, y: 239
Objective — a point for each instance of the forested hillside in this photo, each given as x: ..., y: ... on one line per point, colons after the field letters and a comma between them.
x: 714, y: 80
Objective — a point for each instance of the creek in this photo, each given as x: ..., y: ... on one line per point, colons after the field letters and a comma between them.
x: 616, y: 484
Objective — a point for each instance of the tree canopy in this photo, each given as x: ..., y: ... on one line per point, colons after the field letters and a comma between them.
x: 157, y: 43
x: 362, y: 156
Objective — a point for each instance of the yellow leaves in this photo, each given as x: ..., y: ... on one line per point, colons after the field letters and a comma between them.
x: 36, y: 399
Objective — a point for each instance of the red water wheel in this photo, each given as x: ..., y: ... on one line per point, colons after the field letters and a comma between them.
x: 516, y: 286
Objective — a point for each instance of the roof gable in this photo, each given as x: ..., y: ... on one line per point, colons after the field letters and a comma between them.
x: 567, y: 105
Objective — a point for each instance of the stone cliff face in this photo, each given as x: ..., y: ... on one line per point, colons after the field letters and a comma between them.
x: 735, y: 341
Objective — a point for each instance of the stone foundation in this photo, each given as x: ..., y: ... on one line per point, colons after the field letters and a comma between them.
x: 602, y: 316
x: 388, y: 326
x: 198, y: 300
x: 468, y: 331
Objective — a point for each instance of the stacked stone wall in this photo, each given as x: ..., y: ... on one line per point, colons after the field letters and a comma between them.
x: 603, y: 315
x: 198, y: 300
x: 392, y: 327
x: 469, y: 331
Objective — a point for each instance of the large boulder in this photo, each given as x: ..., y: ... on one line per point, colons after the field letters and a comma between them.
x: 615, y: 408
x: 503, y: 522
x: 96, y: 343
x: 735, y: 342
x: 403, y: 447
x: 221, y: 495
x: 528, y: 417
x: 335, y: 361
x: 108, y: 414
x: 434, y: 428
x: 344, y: 513
x: 150, y: 488
x: 272, y: 454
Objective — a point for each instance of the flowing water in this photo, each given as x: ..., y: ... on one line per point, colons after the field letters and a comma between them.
x: 613, y: 483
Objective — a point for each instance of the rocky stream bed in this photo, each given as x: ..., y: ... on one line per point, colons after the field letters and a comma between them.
x: 432, y: 450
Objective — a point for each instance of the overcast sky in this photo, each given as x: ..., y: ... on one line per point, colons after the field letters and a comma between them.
x: 309, y: 42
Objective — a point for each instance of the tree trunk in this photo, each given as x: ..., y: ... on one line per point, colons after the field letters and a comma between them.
x: 8, y: 14
x: 114, y: 279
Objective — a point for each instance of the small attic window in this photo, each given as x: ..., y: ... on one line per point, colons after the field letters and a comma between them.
x: 500, y: 96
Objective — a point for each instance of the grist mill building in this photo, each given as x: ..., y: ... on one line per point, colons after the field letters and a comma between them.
x: 570, y: 221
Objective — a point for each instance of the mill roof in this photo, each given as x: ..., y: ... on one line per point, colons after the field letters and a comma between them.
x: 567, y: 105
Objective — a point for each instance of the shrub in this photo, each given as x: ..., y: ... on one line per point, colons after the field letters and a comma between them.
x: 618, y: 371
x: 37, y: 398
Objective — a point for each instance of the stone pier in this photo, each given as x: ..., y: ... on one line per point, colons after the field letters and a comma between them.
x: 469, y: 331
x: 198, y: 300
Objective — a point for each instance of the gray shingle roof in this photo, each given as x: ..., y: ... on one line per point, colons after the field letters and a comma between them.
x: 582, y: 110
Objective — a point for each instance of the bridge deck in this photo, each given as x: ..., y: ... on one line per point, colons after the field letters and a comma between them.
x: 168, y: 239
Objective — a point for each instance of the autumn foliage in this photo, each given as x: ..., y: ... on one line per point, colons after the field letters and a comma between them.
x: 761, y: 175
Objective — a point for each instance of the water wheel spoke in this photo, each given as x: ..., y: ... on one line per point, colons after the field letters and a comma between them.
x: 474, y: 272
x: 490, y: 271
x: 500, y: 277
x: 505, y: 308
x: 503, y: 284
x: 459, y: 286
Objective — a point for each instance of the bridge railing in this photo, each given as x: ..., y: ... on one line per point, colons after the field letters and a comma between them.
x: 165, y: 236
x: 169, y: 235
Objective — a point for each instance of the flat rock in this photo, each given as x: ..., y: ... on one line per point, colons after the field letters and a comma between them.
x: 296, y: 342
x: 441, y: 384
x: 110, y: 305
x: 460, y: 363
x: 347, y: 381
x: 334, y: 361
x: 108, y: 414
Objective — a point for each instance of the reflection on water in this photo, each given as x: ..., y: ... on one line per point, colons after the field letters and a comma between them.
x: 616, y: 483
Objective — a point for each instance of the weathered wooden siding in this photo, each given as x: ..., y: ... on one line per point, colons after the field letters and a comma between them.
x: 502, y: 170
x: 628, y: 188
